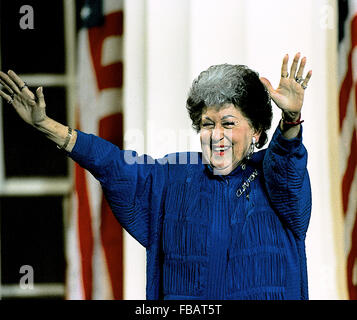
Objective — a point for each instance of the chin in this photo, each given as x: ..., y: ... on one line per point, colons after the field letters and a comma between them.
x: 222, y: 163
x: 223, y: 168
x: 222, y: 171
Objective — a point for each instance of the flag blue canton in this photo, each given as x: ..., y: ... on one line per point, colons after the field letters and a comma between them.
x: 92, y: 13
x: 342, y: 16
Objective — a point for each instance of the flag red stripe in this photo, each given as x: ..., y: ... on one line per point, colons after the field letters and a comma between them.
x: 85, y: 232
x: 350, y: 172
x: 345, y: 97
x: 111, y: 129
x: 345, y: 91
x: 352, y: 256
x: 347, y: 82
x: 109, y: 76
x: 112, y: 240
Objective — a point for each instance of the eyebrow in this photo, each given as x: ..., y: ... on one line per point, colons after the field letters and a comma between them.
x: 223, y: 118
x: 228, y: 116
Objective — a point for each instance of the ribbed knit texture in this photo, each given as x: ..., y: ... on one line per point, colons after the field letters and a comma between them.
x: 204, y: 241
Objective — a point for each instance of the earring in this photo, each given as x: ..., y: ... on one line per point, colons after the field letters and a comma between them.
x: 251, y: 148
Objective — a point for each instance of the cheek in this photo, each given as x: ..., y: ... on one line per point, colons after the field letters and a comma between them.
x: 241, y: 141
x: 205, y: 138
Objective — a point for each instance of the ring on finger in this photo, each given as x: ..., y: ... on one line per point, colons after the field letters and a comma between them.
x: 304, y: 86
x: 24, y: 86
x: 285, y: 75
x: 10, y: 101
x: 299, y: 80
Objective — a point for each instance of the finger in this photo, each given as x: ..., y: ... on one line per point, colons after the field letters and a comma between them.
x: 6, y: 87
x: 9, y: 82
x: 40, y: 97
x: 294, y: 66
x: 20, y: 83
x: 284, y: 66
x: 308, y: 76
x: 301, y: 68
x: 269, y: 87
x: 5, y: 96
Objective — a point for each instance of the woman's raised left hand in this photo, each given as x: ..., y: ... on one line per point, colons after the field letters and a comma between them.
x: 289, y: 95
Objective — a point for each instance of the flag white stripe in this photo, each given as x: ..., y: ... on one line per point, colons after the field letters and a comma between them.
x: 94, y: 105
x: 348, y: 126
x: 110, y: 6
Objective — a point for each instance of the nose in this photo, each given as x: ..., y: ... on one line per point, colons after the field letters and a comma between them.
x: 217, y: 134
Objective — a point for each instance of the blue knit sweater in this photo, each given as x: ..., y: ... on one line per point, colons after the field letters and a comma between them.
x: 240, y: 236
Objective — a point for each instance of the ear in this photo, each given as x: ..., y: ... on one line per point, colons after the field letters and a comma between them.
x: 256, y: 135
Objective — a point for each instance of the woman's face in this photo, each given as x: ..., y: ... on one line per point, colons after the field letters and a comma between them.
x: 226, y: 136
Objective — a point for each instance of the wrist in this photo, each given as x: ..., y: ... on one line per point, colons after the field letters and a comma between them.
x: 67, y: 139
x: 51, y: 128
x: 43, y: 123
x: 290, y: 116
x: 288, y: 124
x: 290, y: 129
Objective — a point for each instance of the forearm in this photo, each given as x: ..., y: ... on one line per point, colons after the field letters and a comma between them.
x: 56, y: 132
x: 287, y: 180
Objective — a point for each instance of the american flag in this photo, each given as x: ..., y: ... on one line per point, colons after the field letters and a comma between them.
x: 94, y: 242
x: 348, y: 136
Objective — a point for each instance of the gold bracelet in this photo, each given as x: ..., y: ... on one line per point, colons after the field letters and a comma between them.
x: 68, y: 138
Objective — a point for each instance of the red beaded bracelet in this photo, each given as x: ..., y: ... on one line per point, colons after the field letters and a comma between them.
x: 293, y: 123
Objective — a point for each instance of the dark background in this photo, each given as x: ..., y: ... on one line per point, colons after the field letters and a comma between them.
x: 32, y: 227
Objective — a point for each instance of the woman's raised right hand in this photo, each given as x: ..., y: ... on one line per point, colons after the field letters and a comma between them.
x: 30, y: 107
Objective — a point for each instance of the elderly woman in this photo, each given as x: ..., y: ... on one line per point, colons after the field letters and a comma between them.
x: 227, y: 223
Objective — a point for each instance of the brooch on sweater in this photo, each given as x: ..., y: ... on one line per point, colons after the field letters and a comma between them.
x: 246, y: 183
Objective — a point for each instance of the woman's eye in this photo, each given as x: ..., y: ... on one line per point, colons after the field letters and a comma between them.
x: 207, y: 125
x: 228, y: 124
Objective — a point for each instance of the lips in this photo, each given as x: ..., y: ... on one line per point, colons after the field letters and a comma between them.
x: 220, y: 150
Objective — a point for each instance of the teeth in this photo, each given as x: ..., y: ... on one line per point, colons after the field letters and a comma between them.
x: 220, y: 149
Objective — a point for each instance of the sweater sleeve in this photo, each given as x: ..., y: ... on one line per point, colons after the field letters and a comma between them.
x: 287, y: 181
x: 127, y: 181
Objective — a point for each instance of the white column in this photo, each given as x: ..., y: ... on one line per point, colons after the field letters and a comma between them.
x: 134, y: 131
x: 167, y: 77
x: 217, y: 33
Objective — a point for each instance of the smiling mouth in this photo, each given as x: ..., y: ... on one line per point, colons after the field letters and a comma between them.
x: 220, y: 150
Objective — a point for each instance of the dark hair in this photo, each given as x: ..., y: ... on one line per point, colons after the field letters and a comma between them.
x: 236, y: 84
